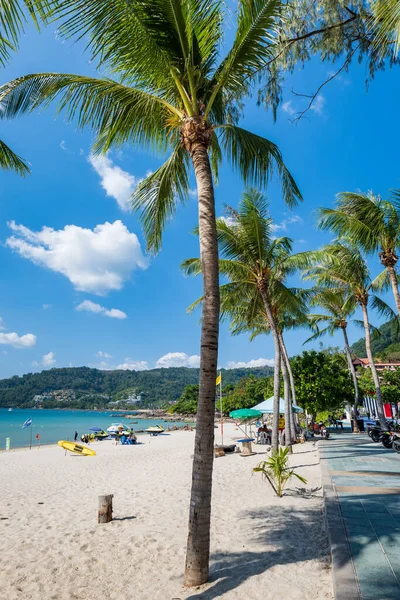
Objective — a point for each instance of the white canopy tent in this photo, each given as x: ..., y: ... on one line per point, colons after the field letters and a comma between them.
x: 267, y: 406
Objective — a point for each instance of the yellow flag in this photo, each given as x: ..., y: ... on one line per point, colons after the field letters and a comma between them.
x: 218, y: 380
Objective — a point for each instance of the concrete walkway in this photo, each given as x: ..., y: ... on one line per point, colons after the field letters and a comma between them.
x: 361, y: 482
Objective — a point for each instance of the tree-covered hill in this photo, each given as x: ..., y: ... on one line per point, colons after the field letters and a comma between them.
x: 88, y: 387
x: 385, y: 346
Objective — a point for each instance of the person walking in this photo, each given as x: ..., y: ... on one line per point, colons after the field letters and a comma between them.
x: 76, y: 436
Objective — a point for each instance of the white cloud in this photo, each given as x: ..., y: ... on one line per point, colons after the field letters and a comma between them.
x: 128, y: 365
x: 94, y: 261
x: 2, y: 325
x: 283, y: 225
x: 102, y: 354
x: 13, y: 339
x: 49, y: 359
x: 35, y: 363
x: 288, y: 108
x: 178, y: 359
x: 47, y: 306
x: 63, y: 145
x: 133, y: 365
x: 117, y: 183
x: 318, y: 105
x: 90, y: 306
x: 172, y: 359
x: 256, y: 362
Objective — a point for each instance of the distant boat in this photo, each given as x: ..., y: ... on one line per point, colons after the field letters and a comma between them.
x: 10, y: 409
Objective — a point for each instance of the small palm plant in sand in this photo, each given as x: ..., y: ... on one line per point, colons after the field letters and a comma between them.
x: 277, y: 471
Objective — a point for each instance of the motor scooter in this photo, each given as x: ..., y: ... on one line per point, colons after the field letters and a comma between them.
x: 396, y: 442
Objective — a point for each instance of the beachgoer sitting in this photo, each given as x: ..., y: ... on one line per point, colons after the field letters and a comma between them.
x: 263, y: 435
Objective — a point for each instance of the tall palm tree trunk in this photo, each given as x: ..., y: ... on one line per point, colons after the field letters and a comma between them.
x: 395, y: 287
x: 354, y: 377
x: 379, y: 402
x: 275, y: 412
x: 289, y: 368
x: 288, y: 404
x: 277, y: 365
x: 285, y: 357
x: 198, y: 544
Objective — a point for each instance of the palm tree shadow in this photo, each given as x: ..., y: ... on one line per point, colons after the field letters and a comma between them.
x: 292, y: 537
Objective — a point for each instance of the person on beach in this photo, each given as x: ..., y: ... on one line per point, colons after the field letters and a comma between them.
x: 76, y: 436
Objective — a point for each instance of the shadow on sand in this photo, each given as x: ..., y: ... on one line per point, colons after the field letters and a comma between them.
x: 278, y: 527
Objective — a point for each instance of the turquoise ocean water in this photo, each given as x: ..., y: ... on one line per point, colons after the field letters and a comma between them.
x: 54, y: 425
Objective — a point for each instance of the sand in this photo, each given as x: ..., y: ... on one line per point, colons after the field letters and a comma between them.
x: 52, y: 547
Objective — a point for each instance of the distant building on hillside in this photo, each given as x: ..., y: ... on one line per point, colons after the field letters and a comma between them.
x: 380, y: 366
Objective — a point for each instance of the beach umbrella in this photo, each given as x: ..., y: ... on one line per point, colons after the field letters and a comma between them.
x: 267, y: 406
x: 244, y: 414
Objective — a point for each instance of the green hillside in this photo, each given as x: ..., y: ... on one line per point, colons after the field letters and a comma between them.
x: 385, y: 346
x: 82, y: 387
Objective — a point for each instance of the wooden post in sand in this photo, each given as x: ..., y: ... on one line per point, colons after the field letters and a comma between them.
x: 105, y: 508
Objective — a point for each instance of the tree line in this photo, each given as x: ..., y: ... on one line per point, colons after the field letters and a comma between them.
x: 157, y: 387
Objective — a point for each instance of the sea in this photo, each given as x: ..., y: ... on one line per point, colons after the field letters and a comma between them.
x: 53, y: 425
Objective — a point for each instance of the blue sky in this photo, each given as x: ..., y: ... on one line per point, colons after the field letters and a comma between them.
x: 76, y: 286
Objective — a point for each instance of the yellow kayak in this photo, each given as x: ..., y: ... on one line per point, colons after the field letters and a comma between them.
x: 76, y: 448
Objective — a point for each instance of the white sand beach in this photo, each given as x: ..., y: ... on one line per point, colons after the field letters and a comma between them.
x: 52, y: 547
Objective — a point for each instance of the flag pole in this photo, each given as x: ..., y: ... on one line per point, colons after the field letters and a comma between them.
x: 30, y: 438
x: 220, y: 403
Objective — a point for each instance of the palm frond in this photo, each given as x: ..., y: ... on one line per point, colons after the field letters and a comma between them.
x: 318, y: 334
x: 386, y: 25
x: 136, y: 39
x: 156, y: 197
x: 116, y: 113
x: 257, y: 28
x: 345, y: 225
x: 381, y: 283
x: 206, y: 21
x: 13, y: 20
x: 382, y: 308
x: 9, y: 161
x: 191, y: 266
x: 361, y: 325
x: 256, y: 159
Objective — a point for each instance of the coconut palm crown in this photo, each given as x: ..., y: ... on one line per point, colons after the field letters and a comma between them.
x: 373, y: 224
x: 168, y: 90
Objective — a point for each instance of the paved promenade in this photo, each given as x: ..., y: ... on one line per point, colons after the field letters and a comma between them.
x: 362, y: 491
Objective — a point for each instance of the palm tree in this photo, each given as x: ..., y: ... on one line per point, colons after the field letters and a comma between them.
x: 339, y: 306
x: 170, y: 90
x: 13, y: 18
x: 248, y: 314
x: 372, y: 224
x: 341, y: 264
x: 254, y: 263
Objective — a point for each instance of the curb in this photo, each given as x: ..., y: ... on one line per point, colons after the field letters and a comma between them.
x: 345, y: 584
